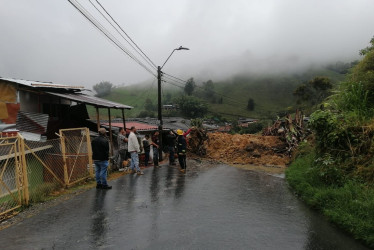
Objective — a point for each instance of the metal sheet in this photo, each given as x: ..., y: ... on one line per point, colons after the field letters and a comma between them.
x: 92, y: 100
x: 32, y: 122
x: 37, y: 84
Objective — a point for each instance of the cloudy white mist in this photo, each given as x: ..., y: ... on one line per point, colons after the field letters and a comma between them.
x: 51, y: 41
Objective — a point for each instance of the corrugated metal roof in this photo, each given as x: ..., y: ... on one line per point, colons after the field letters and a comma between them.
x: 32, y: 122
x: 93, y: 100
x: 137, y: 125
x: 37, y: 84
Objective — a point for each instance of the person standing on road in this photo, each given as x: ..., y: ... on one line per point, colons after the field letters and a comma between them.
x: 147, y: 149
x: 170, y: 141
x: 156, y: 144
x: 181, y: 149
x: 100, y: 156
x: 122, y: 147
x: 134, y: 149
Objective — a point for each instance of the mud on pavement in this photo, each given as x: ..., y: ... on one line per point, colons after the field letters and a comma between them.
x: 246, y: 150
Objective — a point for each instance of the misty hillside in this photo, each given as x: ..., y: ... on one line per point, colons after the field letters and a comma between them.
x: 272, y: 94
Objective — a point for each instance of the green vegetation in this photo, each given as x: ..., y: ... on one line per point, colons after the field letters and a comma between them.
x: 103, y: 88
x: 349, y: 205
x: 336, y: 176
x: 262, y: 97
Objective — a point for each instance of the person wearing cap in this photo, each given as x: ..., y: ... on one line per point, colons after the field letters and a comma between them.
x: 100, y: 156
x: 134, y: 149
x: 181, y: 149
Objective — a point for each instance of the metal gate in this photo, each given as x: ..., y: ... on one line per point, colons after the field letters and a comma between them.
x: 33, y: 170
x: 13, y: 180
x: 76, y: 153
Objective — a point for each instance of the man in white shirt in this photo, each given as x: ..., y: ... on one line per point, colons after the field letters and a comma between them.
x: 134, y: 149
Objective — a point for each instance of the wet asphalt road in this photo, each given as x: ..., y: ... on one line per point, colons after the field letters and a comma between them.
x: 220, y: 208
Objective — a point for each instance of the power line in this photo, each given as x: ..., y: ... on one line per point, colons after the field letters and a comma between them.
x: 141, y: 53
x: 173, y: 77
x: 101, y: 28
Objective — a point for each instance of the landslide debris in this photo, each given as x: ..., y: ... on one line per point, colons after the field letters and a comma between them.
x: 246, y: 149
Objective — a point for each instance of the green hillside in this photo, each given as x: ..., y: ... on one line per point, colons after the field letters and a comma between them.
x: 272, y: 94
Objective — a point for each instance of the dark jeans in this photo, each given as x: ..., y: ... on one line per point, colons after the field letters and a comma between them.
x: 146, y: 158
x: 101, y: 169
x: 122, y: 157
x: 155, y: 156
x: 182, y: 161
x: 171, y: 155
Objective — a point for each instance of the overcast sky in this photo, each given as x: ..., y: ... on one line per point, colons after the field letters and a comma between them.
x: 48, y: 40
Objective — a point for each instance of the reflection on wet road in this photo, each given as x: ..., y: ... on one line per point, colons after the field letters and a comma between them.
x: 221, y: 208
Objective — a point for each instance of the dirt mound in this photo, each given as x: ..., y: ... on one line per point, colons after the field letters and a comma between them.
x: 246, y: 149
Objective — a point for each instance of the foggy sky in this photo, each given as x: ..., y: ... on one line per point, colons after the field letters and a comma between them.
x: 48, y: 40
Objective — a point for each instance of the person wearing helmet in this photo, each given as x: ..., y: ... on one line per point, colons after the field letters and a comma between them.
x: 181, y: 149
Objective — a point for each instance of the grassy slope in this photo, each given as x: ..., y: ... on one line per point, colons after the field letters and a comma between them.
x: 271, y: 94
x: 351, y: 206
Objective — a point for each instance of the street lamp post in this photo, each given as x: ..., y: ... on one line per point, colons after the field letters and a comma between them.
x: 159, y: 76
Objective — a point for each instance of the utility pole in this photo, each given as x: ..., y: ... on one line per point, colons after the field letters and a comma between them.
x: 159, y: 112
x: 159, y: 75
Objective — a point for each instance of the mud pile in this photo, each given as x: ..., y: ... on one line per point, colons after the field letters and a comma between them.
x: 246, y: 149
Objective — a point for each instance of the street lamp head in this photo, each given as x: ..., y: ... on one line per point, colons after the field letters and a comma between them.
x: 182, y: 48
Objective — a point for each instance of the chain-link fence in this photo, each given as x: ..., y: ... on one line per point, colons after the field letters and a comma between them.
x: 76, y: 152
x: 11, y: 177
x: 33, y: 170
x: 45, y: 168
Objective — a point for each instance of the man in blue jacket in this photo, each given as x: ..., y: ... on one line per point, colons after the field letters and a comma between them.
x: 100, y: 156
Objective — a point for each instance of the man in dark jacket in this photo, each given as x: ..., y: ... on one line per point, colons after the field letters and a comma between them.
x: 147, y: 149
x: 100, y: 155
x: 181, y: 149
x: 170, y: 141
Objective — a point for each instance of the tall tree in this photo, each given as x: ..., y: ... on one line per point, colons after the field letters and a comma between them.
x: 103, y: 88
x: 192, y: 107
x: 148, y: 106
x: 190, y: 86
x: 314, y: 91
x: 208, y: 89
x: 251, y: 104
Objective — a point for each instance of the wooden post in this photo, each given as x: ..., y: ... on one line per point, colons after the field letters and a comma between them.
x: 18, y: 170
x: 110, y: 133
x: 97, y: 118
x: 123, y: 119
x: 63, y: 151
x: 89, y: 152
x: 24, y: 170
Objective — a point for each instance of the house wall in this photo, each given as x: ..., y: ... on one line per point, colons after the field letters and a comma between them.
x: 13, y: 100
x: 9, y: 105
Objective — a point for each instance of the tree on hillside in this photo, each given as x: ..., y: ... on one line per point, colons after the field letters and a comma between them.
x: 369, y: 48
x: 208, y: 89
x: 363, y: 72
x: 190, y: 86
x: 314, y: 91
x: 251, y: 104
x: 149, y: 106
x: 220, y: 100
x: 103, y: 88
x: 192, y: 107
